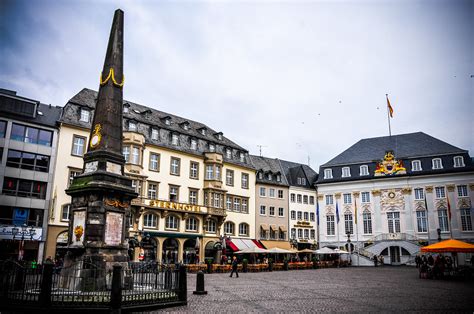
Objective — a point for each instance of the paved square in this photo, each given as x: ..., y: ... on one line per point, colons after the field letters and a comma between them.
x: 365, y: 289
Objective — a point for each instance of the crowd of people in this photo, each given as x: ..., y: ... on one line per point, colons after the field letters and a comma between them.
x: 431, y: 267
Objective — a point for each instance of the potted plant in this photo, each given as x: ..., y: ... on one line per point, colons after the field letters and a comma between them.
x: 285, y: 264
x: 270, y: 264
x: 245, y: 263
x: 315, y: 262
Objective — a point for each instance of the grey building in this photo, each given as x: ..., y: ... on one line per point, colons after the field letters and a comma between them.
x: 28, y: 137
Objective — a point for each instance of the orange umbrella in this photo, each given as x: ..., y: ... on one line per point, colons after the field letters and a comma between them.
x: 450, y: 245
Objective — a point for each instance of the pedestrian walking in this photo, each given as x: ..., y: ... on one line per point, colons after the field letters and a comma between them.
x: 235, y: 265
x: 375, y: 260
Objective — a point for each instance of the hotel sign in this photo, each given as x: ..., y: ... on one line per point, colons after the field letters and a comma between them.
x: 303, y: 224
x: 176, y: 206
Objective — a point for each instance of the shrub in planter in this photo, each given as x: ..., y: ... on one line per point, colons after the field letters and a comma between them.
x: 245, y: 263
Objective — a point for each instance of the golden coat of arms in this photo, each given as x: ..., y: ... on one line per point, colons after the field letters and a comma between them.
x: 389, y: 166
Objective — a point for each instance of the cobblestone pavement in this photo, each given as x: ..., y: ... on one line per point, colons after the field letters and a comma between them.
x: 365, y: 289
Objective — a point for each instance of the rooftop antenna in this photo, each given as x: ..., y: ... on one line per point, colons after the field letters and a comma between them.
x: 260, y: 149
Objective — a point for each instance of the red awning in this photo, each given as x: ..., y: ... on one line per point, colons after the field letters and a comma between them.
x: 258, y: 244
x: 231, y: 245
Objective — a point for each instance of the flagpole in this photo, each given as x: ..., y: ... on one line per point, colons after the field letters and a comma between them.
x: 388, y: 118
x: 357, y: 232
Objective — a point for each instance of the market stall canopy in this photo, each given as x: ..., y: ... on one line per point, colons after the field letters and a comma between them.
x: 339, y: 251
x: 277, y: 250
x: 325, y: 250
x: 242, y: 244
x: 449, y: 246
x: 252, y: 250
x: 305, y: 251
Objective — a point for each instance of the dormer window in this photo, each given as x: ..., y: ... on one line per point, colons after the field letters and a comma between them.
x: 219, y: 136
x: 242, y: 157
x: 458, y: 161
x: 185, y: 125
x: 126, y: 108
x: 364, y: 170
x: 437, y: 164
x: 154, y: 134
x: 301, y: 181
x: 202, y: 131
x: 279, y: 178
x: 327, y: 173
x: 132, y: 126
x: 174, y: 139
x: 85, y: 114
x: 260, y: 175
x: 228, y: 153
x: 416, y: 165
x: 346, y: 172
x: 166, y: 120
x: 193, y: 144
x: 269, y: 177
x: 212, y: 147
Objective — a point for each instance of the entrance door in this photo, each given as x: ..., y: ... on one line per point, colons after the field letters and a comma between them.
x: 394, y: 255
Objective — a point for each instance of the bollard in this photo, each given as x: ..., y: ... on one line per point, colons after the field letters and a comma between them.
x: 200, y: 284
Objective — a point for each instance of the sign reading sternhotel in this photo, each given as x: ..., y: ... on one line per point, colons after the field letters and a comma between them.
x: 173, y: 205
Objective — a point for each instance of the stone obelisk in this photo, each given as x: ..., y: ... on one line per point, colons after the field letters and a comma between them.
x: 101, y: 196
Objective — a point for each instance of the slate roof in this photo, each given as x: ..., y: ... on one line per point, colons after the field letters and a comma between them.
x: 292, y: 169
x: 150, y: 117
x: 268, y: 165
x: 406, y: 148
x: 409, y: 145
x: 46, y: 115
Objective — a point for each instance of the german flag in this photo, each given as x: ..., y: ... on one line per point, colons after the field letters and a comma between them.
x: 390, y: 109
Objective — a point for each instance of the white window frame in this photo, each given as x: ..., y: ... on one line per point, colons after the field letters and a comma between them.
x: 328, y: 173
x: 193, y: 144
x: 155, y: 135
x: 466, y: 220
x: 85, y: 115
x: 150, y: 217
x: 174, y: 139
x: 262, y: 192
x: 347, y: 198
x: 364, y: 170
x: 243, y: 229
x: 462, y: 191
x: 194, y: 170
x: 419, y: 194
x: 229, y: 228
x: 263, y: 210
x: 293, y: 215
x: 346, y: 172
x: 65, y: 212
x: 365, y: 197
x: 458, y: 161
x: 152, y: 192
x: 126, y: 153
x: 437, y: 163
x: 330, y: 225
x: 132, y: 126
x: 416, y: 165
x: 281, y: 212
x: 440, y: 192
x: 192, y: 224
x: 228, y: 153
x: 172, y: 222
x: 329, y: 199
x: 280, y: 194
x: 175, y: 164
x: 271, y: 193
x: 135, y: 156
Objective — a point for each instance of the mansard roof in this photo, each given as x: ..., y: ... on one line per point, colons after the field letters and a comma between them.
x: 156, y: 119
x: 406, y: 148
x: 293, y: 170
x: 411, y: 145
x: 268, y: 165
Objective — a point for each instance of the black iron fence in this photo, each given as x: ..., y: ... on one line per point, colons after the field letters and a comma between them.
x: 83, y: 286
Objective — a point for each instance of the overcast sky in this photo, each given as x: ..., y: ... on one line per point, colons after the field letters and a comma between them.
x: 302, y: 78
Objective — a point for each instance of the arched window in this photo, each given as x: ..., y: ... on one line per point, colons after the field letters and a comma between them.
x: 171, y: 222
x: 191, y: 224
x: 229, y: 228
x: 244, y: 229
x: 211, y: 226
x: 150, y: 221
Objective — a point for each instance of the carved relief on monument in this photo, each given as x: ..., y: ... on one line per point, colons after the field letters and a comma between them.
x: 113, y: 228
x: 392, y: 200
